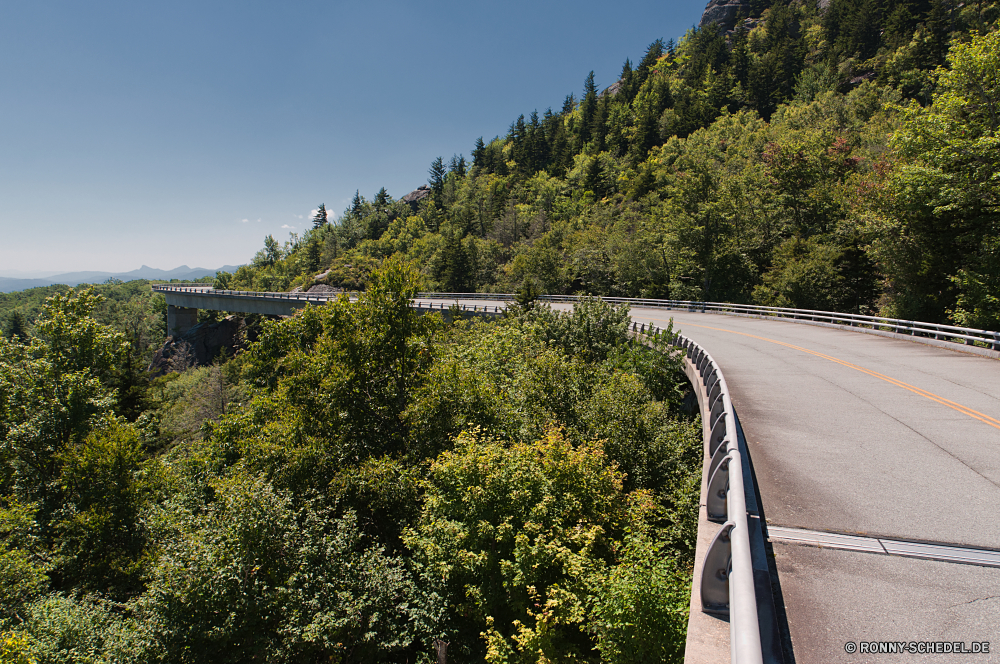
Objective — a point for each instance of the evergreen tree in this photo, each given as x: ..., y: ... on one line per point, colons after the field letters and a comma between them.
x: 356, y: 204
x: 17, y: 326
x: 320, y: 219
x: 382, y: 199
x: 569, y: 104
x: 625, y: 90
x: 314, y: 252
x: 653, y: 53
x: 599, y: 126
x: 437, y: 172
x: 479, y: 155
x: 593, y: 180
x: 518, y: 137
x: 458, y: 165
x: 588, y: 109
x: 453, y: 268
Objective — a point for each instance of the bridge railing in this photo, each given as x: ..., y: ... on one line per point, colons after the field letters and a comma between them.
x: 954, y: 333
x: 199, y: 285
x: 262, y: 295
x: 727, y: 585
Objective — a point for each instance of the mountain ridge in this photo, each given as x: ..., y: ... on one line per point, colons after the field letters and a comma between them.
x: 12, y: 284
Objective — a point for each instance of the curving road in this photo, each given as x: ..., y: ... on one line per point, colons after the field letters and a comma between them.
x: 863, y: 435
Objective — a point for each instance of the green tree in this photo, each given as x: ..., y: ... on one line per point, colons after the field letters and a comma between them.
x: 436, y: 181
x: 54, y: 391
x: 320, y: 218
x: 100, y: 540
x: 269, y: 255
x: 17, y: 326
x: 24, y: 560
x: 255, y: 576
x: 338, y: 376
x: 516, y: 552
x: 588, y: 109
x: 641, y: 609
x: 458, y: 165
x: 453, y: 269
x: 937, y: 212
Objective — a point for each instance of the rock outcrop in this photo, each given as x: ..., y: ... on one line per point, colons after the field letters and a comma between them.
x: 724, y: 13
x: 612, y: 89
x: 323, y: 288
x: 414, y: 197
x: 198, y: 346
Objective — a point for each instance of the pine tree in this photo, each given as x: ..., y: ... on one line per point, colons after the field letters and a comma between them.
x: 320, y: 218
x: 453, y: 268
x: 436, y: 181
x: 599, y: 123
x: 592, y: 179
x: 588, y: 108
x: 653, y: 53
x: 356, y: 204
x: 313, y: 253
x: 17, y: 326
x: 626, y: 90
x: 479, y: 155
x: 382, y: 199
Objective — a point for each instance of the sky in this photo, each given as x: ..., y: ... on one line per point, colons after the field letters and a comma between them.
x: 182, y: 133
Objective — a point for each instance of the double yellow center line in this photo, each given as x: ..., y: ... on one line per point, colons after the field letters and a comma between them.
x: 982, y: 417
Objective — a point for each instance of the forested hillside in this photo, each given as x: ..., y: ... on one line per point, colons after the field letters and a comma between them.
x: 842, y: 159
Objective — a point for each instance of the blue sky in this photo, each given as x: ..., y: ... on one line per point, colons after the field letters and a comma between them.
x: 184, y: 132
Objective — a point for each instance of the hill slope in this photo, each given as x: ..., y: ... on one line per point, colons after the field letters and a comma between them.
x: 806, y: 157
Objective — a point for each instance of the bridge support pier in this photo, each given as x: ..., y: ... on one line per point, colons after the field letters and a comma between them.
x: 180, y: 319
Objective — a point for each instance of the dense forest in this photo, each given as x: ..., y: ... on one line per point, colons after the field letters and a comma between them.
x: 842, y: 159
x: 361, y: 483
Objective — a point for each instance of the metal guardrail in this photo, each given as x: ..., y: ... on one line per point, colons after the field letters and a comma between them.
x: 727, y: 579
x: 301, y: 297
x: 200, y: 285
x: 966, y: 335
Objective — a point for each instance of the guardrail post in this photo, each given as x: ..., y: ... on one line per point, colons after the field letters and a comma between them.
x: 715, y: 573
x: 718, y: 486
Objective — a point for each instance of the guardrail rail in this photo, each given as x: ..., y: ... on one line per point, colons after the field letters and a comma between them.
x: 735, y: 579
x: 967, y: 335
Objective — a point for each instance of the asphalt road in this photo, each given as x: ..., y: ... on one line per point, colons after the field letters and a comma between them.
x: 860, y: 434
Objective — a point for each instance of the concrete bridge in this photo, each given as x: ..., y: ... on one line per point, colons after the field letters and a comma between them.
x: 877, y: 458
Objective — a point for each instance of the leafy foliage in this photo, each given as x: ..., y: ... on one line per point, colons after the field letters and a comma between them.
x: 301, y: 501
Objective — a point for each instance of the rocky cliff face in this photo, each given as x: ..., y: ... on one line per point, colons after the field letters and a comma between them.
x: 723, y: 13
x: 197, y: 347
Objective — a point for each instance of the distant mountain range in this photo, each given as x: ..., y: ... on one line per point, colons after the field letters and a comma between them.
x: 11, y: 284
